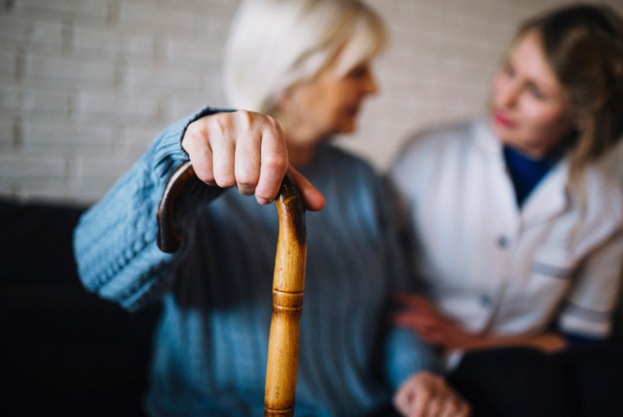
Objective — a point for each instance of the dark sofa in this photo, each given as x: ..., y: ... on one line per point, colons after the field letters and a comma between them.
x: 64, y: 351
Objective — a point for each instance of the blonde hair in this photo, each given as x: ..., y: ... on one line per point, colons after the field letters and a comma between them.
x: 583, y: 45
x: 276, y: 44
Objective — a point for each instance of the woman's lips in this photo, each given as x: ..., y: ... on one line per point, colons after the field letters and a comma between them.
x: 501, y: 118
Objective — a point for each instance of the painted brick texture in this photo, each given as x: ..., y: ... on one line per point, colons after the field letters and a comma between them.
x: 85, y: 84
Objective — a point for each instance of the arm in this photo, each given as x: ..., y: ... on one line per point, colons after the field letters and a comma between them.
x: 588, y: 310
x: 413, y: 367
x: 406, y: 353
x: 115, y: 240
x: 432, y: 326
x: 422, y: 391
x: 426, y: 394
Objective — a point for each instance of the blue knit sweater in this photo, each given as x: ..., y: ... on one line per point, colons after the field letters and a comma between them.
x: 211, y: 342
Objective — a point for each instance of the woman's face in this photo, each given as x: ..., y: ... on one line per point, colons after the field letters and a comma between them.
x: 330, y: 104
x: 531, y: 109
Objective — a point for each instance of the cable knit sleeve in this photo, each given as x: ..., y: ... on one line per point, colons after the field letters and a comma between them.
x: 115, y: 240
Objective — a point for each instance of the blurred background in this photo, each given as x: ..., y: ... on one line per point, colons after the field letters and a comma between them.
x: 86, y: 84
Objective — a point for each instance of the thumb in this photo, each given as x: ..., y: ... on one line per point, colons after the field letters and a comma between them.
x: 312, y: 198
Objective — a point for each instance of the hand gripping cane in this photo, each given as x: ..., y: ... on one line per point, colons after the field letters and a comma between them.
x: 288, y: 284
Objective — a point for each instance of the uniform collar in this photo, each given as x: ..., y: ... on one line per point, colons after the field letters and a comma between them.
x: 486, y: 141
x: 548, y: 199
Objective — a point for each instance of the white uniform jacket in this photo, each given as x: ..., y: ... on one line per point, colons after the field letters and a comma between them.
x: 498, y: 269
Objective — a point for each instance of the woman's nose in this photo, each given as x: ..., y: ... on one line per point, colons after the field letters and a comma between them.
x: 370, y: 85
x: 509, y: 94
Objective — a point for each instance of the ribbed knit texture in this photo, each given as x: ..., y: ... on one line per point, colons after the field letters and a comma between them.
x: 211, y: 343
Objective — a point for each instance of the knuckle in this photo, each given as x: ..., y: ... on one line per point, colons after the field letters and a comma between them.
x: 208, y: 178
x: 205, y: 176
x: 201, y: 159
x: 245, y: 118
x: 453, y: 405
x: 275, y: 161
x: 245, y: 190
x: 219, y: 125
x: 194, y: 134
x: 224, y: 182
x: 203, y: 171
x: 224, y: 178
x: 273, y: 123
x: 246, y: 184
x: 426, y: 392
x: 399, y: 404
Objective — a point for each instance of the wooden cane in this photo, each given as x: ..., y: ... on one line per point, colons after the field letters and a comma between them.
x: 288, y: 284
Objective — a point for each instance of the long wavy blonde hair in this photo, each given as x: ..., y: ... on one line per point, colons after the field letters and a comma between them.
x: 583, y: 45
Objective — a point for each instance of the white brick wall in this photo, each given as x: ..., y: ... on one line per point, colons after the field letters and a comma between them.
x: 85, y: 84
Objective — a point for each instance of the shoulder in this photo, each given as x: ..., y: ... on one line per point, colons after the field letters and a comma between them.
x: 346, y: 166
x: 425, y: 155
x: 437, y: 141
x: 440, y: 136
x: 596, y: 206
x: 343, y: 156
x: 346, y: 178
x: 604, y: 195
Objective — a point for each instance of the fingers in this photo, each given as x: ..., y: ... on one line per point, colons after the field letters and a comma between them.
x: 427, y: 395
x: 404, y: 399
x: 431, y: 329
x: 242, y: 148
x: 274, y: 164
x: 223, y: 160
x: 407, y: 299
x: 198, y: 148
x: 312, y: 198
x: 421, y: 407
x: 246, y: 150
x: 455, y: 406
x: 414, y: 318
x: 413, y: 397
x: 414, y: 301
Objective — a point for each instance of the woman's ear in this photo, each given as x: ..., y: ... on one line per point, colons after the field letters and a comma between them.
x: 579, y: 123
x: 284, y: 100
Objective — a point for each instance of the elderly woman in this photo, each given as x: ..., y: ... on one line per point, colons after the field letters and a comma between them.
x: 520, y: 232
x: 307, y: 64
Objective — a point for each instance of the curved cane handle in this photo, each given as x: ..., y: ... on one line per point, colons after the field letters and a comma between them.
x: 168, y: 239
x: 288, y: 284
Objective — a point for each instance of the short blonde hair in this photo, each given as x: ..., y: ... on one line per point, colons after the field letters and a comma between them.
x: 275, y: 44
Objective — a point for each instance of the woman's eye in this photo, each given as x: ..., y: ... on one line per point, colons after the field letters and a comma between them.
x: 508, y: 70
x: 536, y: 92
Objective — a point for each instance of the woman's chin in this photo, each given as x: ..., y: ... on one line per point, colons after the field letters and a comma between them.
x: 347, y: 128
x: 501, y: 131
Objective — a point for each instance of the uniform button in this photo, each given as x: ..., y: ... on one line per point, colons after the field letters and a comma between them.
x: 485, y: 300
x: 503, y: 242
